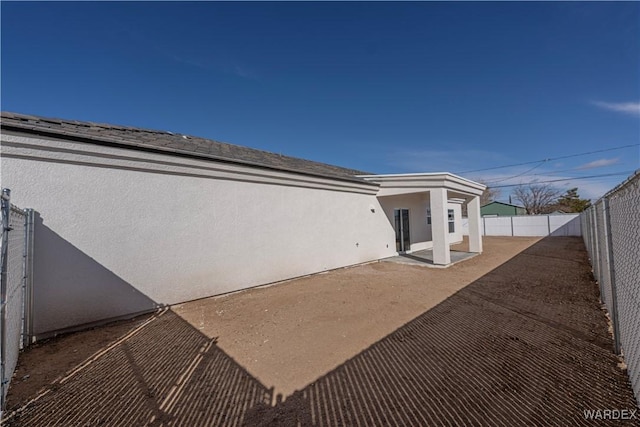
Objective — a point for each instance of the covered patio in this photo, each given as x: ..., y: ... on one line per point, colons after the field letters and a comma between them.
x: 420, y: 206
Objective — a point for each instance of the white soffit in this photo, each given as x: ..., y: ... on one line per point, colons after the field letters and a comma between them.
x: 393, y: 184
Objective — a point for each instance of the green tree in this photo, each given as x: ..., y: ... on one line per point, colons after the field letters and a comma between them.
x: 571, y: 201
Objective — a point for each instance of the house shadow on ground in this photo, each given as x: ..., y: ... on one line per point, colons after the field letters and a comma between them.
x: 61, y: 287
x: 526, y: 344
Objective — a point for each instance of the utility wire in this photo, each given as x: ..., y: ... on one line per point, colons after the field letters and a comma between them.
x: 515, y: 176
x: 557, y: 172
x: 550, y: 173
x: 563, y: 179
x: 553, y: 158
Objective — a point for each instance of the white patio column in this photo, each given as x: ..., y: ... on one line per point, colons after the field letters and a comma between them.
x: 440, y: 227
x: 475, y: 233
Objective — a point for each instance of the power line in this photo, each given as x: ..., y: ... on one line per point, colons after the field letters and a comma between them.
x: 515, y: 176
x: 557, y: 172
x: 563, y: 179
x: 550, y: 173
x: 553, y: 158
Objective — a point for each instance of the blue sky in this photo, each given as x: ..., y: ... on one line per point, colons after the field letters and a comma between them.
x: 380, y: 87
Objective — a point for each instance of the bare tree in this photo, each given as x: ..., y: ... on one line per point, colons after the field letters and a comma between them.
x: 489, y: 195
x: 536, y: 198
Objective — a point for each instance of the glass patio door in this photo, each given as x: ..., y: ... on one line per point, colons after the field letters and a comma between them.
x: 402, y: 230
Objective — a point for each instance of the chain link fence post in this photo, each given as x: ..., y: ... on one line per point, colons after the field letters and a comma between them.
x: 27, y: 321
x: 15, y: 287
x: 5, y: 208
x: 613, y: 305
x: 613, y: 242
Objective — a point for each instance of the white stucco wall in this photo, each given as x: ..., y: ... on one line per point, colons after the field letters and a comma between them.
x: 420, y: 232
x: 121, y: 231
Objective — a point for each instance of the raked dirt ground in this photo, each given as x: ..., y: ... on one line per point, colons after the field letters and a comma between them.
x: 289, y: 334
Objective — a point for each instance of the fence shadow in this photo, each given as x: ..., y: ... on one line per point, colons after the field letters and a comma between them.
x: 525, y: 344
x: 164, y: 372
x: 571, y: 228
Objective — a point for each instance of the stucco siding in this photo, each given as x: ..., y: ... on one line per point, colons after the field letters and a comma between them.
x: 118, y: 234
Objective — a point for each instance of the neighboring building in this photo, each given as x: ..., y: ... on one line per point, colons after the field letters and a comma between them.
x: 502, y: 209
x: 131, y: 219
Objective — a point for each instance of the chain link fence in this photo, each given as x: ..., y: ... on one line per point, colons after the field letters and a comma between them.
x: 15, y: 257
x: 611, y: 230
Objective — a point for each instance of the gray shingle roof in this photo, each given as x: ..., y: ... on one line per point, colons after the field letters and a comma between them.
x: 172, y: 143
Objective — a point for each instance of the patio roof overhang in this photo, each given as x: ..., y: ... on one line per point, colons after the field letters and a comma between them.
x: 397, y: 184
x: 441, y: 188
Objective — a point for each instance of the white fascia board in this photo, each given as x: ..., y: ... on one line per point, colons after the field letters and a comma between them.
x: 71, y: 152
x: 456, y: 201
x: 404, y: 183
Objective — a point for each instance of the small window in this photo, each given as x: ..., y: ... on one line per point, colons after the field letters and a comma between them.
x: 452, y: 221
x: 451, y: 217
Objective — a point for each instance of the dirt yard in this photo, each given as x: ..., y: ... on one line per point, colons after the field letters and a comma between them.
x: 377, y: 344
x: 288, y: 335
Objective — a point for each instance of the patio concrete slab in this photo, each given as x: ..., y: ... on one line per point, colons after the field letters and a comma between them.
x: 424, y: 258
